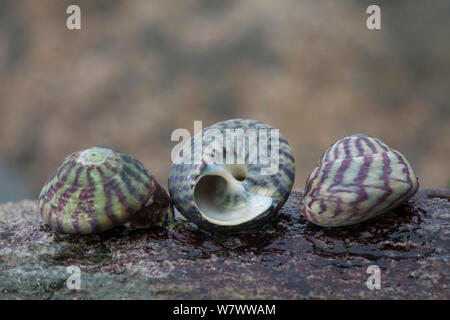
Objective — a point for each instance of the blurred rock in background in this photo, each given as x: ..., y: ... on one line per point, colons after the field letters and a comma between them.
x: 139, y: 69
x: 12, y: 188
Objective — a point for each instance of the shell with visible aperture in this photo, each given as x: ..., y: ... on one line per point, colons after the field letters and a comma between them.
x: 358, y: 178
x: 233, y: 196
x: 99, y: 188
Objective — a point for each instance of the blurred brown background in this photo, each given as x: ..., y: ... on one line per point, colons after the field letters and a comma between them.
x: 139, y: 69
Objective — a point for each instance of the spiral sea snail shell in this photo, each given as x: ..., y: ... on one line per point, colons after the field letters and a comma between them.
x: 99, y: 188
x: 232, y: 197
x: 358, y: 178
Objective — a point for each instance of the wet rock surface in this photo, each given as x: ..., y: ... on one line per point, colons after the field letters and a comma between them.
x: 290, y: 259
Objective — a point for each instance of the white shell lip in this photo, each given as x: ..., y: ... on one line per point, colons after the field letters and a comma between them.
x: 255, y: 206
x: 254, y: 203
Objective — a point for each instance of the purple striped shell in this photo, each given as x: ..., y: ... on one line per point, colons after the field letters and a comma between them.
x: 239, y: 196
x: 358, y: 178
x: 99, y: 188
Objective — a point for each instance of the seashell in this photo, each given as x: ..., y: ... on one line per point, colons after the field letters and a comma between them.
x: 99, y: 188
x: 232, y: 197
x: 358, y: 178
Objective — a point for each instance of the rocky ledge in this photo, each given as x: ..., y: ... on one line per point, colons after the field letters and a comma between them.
x: 290, y: 259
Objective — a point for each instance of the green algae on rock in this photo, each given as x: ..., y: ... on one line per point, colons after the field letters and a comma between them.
x: 99, y: 188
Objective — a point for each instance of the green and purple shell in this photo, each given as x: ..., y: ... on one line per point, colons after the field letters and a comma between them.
x: 358, y: 178
x: 233, y: 176
x: 99, y: 188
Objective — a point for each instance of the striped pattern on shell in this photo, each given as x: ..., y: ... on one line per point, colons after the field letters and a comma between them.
x: 358, y: 178
x: 99, y: 188
x: 231, y: 197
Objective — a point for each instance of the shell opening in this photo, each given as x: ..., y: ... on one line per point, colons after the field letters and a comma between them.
x: 223, y: 199
x: 239, y: 172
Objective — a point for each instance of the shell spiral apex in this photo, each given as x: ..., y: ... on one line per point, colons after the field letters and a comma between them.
x: 358, y: 178
x: 99, y: 188
x: 230, y: 187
